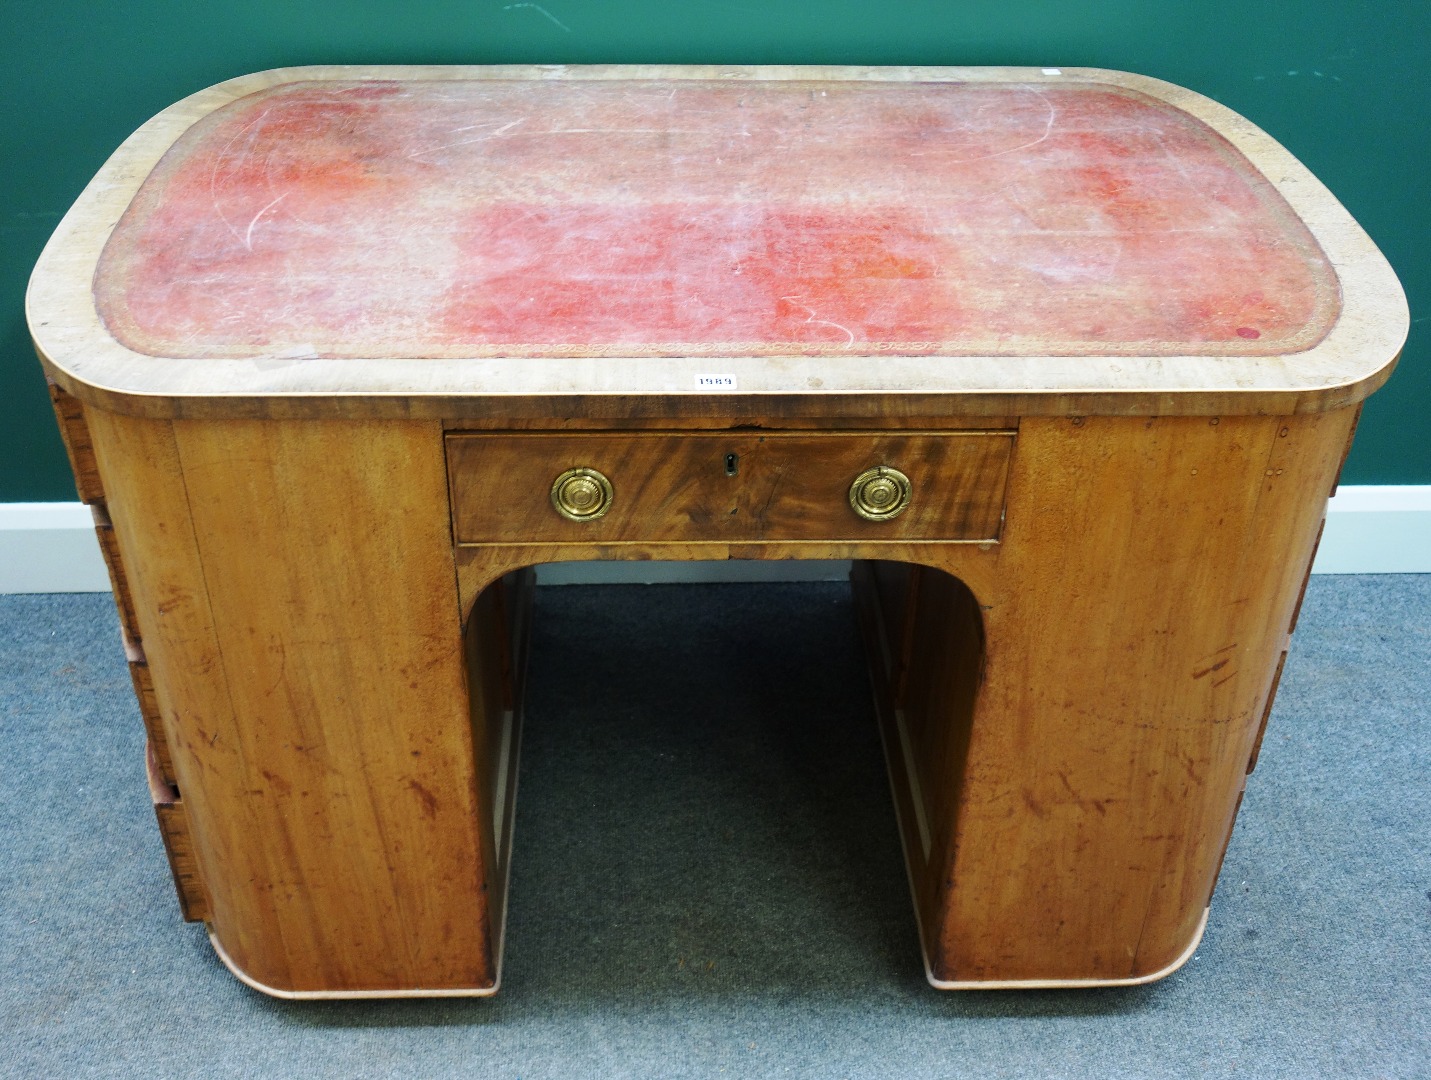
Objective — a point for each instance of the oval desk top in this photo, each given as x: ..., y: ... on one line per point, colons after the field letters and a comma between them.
x: 533, y: 241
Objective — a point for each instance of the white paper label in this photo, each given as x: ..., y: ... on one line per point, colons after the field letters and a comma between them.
x: 715, y: 382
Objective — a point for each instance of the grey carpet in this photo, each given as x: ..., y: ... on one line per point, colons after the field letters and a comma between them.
x: 706, y: 880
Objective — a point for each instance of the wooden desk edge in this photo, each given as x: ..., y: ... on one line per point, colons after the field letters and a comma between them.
x: 871, y: 404
x: 1066, y: 984
x: 81, y: 355
x: 338, y: 995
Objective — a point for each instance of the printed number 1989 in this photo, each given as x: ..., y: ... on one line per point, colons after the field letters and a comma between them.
x: 715, y: 382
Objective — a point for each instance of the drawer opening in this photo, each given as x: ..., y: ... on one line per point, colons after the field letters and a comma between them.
x: 701, y: 775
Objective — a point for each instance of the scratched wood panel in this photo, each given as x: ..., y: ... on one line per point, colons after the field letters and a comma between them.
x: 311, y: 682
x: 1140, y: 607
x: 151, y: 514
x: 327, y: 559
x: 527, y: 218
x: 678, y: 488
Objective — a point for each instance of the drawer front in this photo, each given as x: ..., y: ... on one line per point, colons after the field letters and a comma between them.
x: 726, y: 487
x: 173, y: 818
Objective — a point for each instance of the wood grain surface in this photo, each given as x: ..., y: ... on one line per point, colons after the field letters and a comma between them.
x: 1070, y: 712
x: 726, y: 488
x: 1141, y: 606
x: 296, y: 592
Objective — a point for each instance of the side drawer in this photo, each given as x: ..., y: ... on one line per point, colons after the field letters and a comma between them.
x: 153, y: 724
x: 173, y: 819
x: 726, y: 487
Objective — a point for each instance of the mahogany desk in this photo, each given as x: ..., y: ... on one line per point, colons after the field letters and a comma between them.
x: 1068, y: 360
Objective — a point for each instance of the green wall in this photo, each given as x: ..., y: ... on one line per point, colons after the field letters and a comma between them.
x: 1342, y: 83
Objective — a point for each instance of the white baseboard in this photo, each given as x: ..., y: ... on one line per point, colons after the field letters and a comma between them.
x: 1381, y: 529
x: 1385, y: 529
x: 49, y: 547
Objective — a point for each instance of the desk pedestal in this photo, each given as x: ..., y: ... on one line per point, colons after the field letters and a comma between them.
x: 1069, y: 710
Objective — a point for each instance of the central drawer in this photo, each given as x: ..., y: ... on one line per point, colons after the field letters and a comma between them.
x: 725, y: 487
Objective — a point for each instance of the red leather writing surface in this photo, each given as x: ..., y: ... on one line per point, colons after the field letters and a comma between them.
x: 542, y: 219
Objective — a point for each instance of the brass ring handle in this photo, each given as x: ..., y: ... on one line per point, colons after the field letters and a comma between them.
x: 581, y: 495
x: 880, y: 493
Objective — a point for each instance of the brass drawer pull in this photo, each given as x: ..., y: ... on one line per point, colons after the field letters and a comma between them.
x: 581, y: 494
x: 880, y: 493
